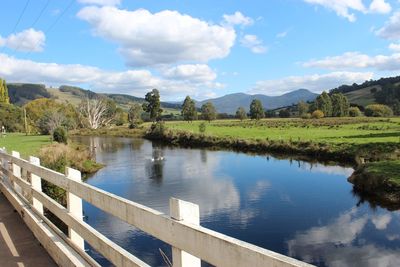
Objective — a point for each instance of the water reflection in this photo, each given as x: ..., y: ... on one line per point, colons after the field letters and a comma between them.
x: 346, y: 241
x: 305, y: 210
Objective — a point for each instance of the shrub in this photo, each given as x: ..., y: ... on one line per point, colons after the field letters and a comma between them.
x: 202, y: 127
x: 60, y: 135
x: 317, y: 114
x: 157, y: 129
x: 378, y: 110
x: 354, y: 112
x: 306, y: 116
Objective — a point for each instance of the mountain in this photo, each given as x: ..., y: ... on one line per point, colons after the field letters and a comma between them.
x: 230, y: 103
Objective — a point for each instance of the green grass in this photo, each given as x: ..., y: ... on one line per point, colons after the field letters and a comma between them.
x: 330, y: 130
x: 26, y: 145
x: 386, y: 169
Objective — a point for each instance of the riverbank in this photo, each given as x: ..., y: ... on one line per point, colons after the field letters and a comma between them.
x: 379, y: 182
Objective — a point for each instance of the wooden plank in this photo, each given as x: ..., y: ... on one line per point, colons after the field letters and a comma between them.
x: 114, y: 253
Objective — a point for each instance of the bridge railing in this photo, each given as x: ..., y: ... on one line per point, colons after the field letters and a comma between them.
x: 190, y: 242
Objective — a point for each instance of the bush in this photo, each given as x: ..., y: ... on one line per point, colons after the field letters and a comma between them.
x: 306, y: 116
x: 202, y: 127
x: 378, y: 110
x: 157, y: 129
x: 60, y: 135
x: 354, y: 112
x: 317, y: 114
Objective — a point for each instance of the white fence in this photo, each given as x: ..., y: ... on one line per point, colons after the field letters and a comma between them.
x: 190, y: 242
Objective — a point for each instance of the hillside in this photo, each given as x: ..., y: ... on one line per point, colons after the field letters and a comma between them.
x: 20, y: 94
x: 230, y: 103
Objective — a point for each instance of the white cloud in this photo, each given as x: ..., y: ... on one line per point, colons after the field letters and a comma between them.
x: 357, y: 60
x: 135, y: 82
x: 101, y: 2
x: 282, y: 34
x: 253, y: 43
x: 238, y: 19
x: 391, y: 29
x: 394, y: 47
x: 316, y: 82
x: 198, y: 73
x: 381, y: 221
x: 166, y: 37
x: 344, y: 8
x: 341, y: 7
x: 28, y: 40
x: 380, y: 6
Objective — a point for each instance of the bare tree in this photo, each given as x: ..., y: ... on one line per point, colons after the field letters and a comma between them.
x: 94, y: 113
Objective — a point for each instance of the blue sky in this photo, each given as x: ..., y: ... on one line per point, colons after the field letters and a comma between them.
x: 199, y: 48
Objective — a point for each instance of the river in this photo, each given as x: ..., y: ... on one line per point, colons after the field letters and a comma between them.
x: 304, y: 210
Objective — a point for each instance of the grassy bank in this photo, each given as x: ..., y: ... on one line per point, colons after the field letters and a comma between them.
x: 26, y: 145
x: 344, y: 140
x: 117, y: 131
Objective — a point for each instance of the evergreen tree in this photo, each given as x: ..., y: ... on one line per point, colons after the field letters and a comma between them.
x: 340, y: 105
x: 256, y: 110
x: 208, y: 112
x: 153, y: 105
x: 4, y: 92
x: 134, y: 115
x: 189, y: 111
x: 241, y: 113
x: 324, y: 103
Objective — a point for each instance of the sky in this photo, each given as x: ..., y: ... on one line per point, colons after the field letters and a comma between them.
x: 203, y: 49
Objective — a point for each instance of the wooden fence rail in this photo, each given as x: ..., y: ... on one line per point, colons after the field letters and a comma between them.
x: 190, y: 242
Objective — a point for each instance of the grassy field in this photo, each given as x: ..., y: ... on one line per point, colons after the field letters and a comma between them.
x: 26, y: 145
x: 330, y: 130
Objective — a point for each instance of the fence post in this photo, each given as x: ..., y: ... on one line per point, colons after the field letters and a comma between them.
x: 74, y: 205
x: 36, y: 183
x: 16, y: 170
x: 188, y: 212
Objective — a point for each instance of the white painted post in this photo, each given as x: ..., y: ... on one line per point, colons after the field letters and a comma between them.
x: 16, y: 170
x: 188, y: 212
x: 74, y: 205
x: 36, y: 183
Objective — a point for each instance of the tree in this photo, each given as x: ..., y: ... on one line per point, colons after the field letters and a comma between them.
x: 4, y: 92
x: 317, y: 114
x: 135, y: 115
x: 95, y: 113
x: 284, y: 113
x: 208, y: 112
x: 241, y: 113
x: 303, y: 108
x: 189, y: 111
x: 324, y: 103
x: 50, y: 120
x: 354, y: 112
x: 340, y: 105
x: 153, y: 105
x: 378, y: 110
x: 11, y: 117
x: 256, y: 110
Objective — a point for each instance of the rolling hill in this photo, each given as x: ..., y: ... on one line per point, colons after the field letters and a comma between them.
x: 230, y: 103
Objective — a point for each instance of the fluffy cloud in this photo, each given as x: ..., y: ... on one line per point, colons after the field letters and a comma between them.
x: 101, y: 2
x: 181, y: 81
x: 166, y: 37
x: 316, y: 82
x: 344, y: 8
x: 28, y: 40
x: 391, y: 29
x: 357, y: 60
x: 253, y: 43
x: 380, y: 6
x: 198, y: 73
x: 394, y: 47
x: 238, y: 19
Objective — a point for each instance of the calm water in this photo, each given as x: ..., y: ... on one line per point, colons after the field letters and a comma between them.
x: 303, y: 210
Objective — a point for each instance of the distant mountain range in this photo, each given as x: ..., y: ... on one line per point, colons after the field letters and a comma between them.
x: 230, y: 103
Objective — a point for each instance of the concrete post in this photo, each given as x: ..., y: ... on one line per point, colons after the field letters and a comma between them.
x: 74, y: 205
x: 188, y: 212
x: 16, y: 170
x: 36, y: 183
